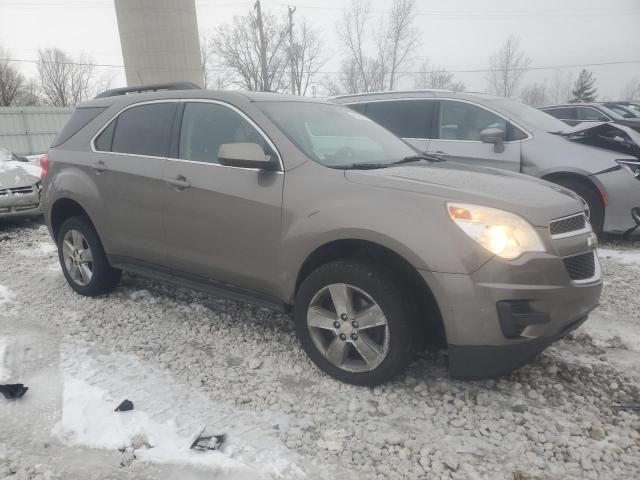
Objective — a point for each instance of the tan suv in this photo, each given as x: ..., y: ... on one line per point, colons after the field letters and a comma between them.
x: 287, y: 202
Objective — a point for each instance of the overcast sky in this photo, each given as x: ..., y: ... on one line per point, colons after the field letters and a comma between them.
x: 457, y: 34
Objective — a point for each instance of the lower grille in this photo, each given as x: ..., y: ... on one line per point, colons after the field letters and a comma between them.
x: 581, y: 267
x: 17, y: 190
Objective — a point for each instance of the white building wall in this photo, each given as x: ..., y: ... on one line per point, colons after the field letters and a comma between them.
x: 159, y: 40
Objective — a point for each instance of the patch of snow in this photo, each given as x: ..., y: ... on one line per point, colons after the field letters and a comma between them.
x: 6, y: 295
x: 28, y: 168
x: 41, y: 250
x: 5, y: 372
x: 628, y: 257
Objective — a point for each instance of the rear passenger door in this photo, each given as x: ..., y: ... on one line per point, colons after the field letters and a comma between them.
x: 457, y: 136
x: 411, y: 119
x: 131, y: 154
x: 223, y: 223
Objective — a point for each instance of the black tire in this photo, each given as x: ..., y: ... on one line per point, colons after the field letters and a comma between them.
x: 104, y: 278
x: 387, y: 292
x: 591, y: 196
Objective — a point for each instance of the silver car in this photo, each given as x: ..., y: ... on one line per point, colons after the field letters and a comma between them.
x: 19, y: 186
x: 303, y: 205
x: 480, y: 129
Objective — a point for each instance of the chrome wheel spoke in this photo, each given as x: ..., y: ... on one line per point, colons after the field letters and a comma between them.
x: 367, y: 349
x: 341, y: 298
x: 370, y: 317
x: 318, y: 317
x: 77, y: 239
x: 86, y: 256
x: 85, y: 273
x: 336, y: 352
x: 67, y: 248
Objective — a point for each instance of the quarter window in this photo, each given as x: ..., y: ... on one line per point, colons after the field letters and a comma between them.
x: 140, y: 130
x: 206, y: 126
x: 464, y: 121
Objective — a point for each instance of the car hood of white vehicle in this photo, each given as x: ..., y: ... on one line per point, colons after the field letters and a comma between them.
x: 18, y: 174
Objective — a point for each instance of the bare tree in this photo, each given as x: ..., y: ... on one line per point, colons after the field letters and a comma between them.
x: 378, y: 61
x: 631, y: 90
x: 535, y: 94
x: 561, y: 85
x: 435, y: 77
x: 257, y: 61
x: 401, y: 38
x: 64, y: 81
x: 307, y: 57
x: 11, y: 81
x: 206, y: 57
x: 507, y: 66
x: 349, y: 79
x: 30, y: 94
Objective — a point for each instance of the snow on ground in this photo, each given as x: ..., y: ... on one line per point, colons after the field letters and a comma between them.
x: 187, y: 359
x: 627, y: 257
x: 5, y: 295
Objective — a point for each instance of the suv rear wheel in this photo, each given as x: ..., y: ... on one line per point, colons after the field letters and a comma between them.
x: 355, y: 323
x: 83, y: 260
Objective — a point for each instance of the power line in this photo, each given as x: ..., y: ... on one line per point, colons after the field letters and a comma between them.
x: 479, y: 70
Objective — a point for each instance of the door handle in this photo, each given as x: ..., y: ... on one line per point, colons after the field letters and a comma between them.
x: 99, y: 166
x: 180, y: 182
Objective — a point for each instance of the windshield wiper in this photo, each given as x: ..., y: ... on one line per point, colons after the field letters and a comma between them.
x: 363, y: 166
x: 416, y: 158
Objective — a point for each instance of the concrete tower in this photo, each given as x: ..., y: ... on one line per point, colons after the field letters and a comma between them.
x: 159, y: 40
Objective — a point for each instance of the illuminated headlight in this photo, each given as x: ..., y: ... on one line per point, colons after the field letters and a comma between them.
x: 631, y: 166
x: 502, y: 233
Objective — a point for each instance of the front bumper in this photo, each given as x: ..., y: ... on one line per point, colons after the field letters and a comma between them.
x: 623, y: 196
x: 548, y: 305
x: 15, y: 206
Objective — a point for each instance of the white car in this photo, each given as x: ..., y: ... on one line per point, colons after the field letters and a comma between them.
x: 19, y: 186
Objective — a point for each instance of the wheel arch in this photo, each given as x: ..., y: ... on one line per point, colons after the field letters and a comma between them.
x: 63, y: 209
x: 396, y: 264
x: 586, y: 180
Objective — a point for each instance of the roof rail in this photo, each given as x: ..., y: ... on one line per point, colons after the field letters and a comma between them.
x: 114, y: 92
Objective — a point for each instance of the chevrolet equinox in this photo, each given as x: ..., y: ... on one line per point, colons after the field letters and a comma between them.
x: 292, y: 203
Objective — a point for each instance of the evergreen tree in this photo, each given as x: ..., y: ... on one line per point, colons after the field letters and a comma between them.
x: 583, y: 89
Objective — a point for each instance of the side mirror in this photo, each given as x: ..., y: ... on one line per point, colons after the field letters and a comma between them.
x: 494, y: 135
x: 245, y: 155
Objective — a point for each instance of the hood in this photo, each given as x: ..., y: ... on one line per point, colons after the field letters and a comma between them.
x: 18, y: 174
x: 536, y: 200
x: 607, y: 135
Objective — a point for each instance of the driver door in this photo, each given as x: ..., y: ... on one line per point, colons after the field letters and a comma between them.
x: 222, y: 223
x: 457, y: 136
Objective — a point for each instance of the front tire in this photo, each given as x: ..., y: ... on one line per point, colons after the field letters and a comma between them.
x: 355, y: 322
x: 82, y: 258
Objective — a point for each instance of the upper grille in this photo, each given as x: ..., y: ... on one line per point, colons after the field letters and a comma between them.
x: 17, y: 190
x: 581, y: 267
x: 568, y: 224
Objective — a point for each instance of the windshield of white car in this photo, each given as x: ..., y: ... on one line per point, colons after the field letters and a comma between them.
x: 530, y: 116
x: 5, y: 155
x: 336, y: 136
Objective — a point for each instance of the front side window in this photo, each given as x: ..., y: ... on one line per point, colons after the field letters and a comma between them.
x: 335, y: 136
x: 206, y: 126
x: 563, y: 113
x: 140, y: 130
x: 405, y: 118
x: 464, y: 121
x: 589, y: 114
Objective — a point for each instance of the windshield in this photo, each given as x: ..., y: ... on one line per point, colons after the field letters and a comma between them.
x: 336, y: 136
x: 625, y: 111
x: 530, y: 116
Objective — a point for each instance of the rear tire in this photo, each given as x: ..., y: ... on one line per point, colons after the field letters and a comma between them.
x: 375, y: 298
x: 591, y: 196
x: 83, y: 260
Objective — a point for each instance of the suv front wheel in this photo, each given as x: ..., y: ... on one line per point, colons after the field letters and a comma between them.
x: 83, y: 261
x: 355, y: 322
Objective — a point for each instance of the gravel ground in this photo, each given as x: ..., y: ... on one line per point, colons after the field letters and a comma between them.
x: 192, y: 359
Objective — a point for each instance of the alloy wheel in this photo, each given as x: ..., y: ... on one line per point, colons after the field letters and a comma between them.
x: 78, y: 258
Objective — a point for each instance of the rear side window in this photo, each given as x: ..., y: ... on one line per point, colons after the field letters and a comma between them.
x: 140, y: 130
x: 80, y: 117
x: 406, y: 118
x: 565, y: 113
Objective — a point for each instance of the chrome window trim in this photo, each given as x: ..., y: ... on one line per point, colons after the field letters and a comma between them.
x: 190, y: 100
x: 434, y: 99
x: 574, y: 233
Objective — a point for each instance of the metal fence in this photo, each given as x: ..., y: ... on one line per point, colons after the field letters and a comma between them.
x: 30, y: 130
